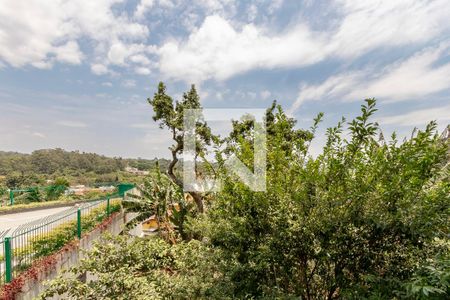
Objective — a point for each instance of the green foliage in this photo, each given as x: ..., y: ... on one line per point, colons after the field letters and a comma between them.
x: 143, y: 269
x: 33, y: 195
x: 54, y: 240
x: 353, y: 222
x: 432, y: 279
x: 14, y: 181
x: 58, y: 188
x: 3, y: 191
x: 159, y: 196
x: 365, y: 219
x: 170, y: 115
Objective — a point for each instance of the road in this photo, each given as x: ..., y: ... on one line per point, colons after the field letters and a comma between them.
x: 12, y: 221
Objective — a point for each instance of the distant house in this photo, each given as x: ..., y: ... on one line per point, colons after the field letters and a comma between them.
x: 81, y: 190
x: 78, y: 190
x: 106, y: 189
x: 136, y: 171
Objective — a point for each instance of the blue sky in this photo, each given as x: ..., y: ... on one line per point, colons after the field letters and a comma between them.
x: 76, y: 74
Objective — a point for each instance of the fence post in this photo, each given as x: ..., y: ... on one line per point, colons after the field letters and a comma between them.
x: 11, y: 197
x: 79, y: 223
x: 8, y: 265
x: 108, y: 208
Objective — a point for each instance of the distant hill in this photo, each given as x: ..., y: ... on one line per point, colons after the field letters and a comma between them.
x: 58, y: 162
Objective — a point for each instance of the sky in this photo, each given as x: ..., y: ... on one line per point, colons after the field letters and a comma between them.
x: 76, y: 74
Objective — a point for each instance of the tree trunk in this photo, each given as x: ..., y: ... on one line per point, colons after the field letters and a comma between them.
x: 198, y: 198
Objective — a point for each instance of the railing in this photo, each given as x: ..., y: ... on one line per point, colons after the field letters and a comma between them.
x: 37, y: 239
x: 122, y: 187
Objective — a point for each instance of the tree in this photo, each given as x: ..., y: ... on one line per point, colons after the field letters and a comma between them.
x: 33, y: 195
x: 55, y: 190
x: 352, y: 223
x: 170, y: 115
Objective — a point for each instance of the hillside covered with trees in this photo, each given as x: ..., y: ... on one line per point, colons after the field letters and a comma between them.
x: 25, y: 170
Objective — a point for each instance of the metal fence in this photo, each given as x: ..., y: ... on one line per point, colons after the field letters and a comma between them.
x: 37, y: 239
x: 8, y: 196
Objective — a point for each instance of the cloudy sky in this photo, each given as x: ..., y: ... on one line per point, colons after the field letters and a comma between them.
x: 76, y: 74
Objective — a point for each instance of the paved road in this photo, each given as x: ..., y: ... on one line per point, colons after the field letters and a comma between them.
x: 12, y: 221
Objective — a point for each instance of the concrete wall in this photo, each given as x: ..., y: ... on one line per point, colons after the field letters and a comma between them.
x: 67, y: 259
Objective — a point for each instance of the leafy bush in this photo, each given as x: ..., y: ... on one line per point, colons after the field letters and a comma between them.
x: 57, y: 189
x: 354, y: 222
x: 143, y: 269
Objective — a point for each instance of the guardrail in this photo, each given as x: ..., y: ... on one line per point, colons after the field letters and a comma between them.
x: 37, y: 239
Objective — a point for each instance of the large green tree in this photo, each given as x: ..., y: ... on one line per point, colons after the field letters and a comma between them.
x: 354, y: 222
x: 170, y: 115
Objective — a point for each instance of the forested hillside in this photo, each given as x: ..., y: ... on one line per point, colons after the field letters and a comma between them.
x: 21, y: 169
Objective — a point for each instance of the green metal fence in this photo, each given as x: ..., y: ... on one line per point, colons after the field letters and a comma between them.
x: 37, y: 239
x: 121, y: 187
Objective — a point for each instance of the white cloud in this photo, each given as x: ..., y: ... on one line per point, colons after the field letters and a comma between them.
x: 40, y: 33
x: 408, y: 79
x: 252, y: 12
x: 166, y: 3
x: 143, y: 7
x: 265, y: 94
x: 251, y: 95
x: 129, y: 54
x: 371, y: 24
x: 129, y: 83
x: 69, y: 53
x: 45, y: 65
x: 117, y: 53
x: 72, y: 124
x: 218, y: 50
x: 418, y: 117
x: 275, y: 5
x: 140, y: 59
x: 107, y: 83
x: 221, y: 7
x: 142, y: 71
x: 99, y: 69
x: 39, y: 135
